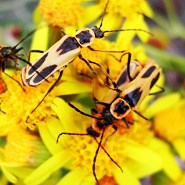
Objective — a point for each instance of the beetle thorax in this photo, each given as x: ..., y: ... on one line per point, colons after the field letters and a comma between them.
x: 85, y: 37
x: 120, y: 108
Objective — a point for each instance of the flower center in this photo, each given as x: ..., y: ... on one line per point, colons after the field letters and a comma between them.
x: 61, y: 13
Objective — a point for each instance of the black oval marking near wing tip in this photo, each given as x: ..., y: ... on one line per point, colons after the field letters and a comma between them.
x: 84, y: 37
x: 133, y: 97
x: 154, y: 80
x: 44, y: 73
x: 69, y: 44
x: 37, y: 64
x: 122, y: 79
x: 148, y: 72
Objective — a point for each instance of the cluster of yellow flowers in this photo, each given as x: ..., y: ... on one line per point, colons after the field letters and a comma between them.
x: 29, y: 153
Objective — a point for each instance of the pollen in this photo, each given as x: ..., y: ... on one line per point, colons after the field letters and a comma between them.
x: 61, y: 13
x: 124, y: 8
x: 83, y: 148
x: 23, y: 148
x: 18, y: 102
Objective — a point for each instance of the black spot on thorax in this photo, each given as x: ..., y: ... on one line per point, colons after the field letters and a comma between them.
x: 84, y: 37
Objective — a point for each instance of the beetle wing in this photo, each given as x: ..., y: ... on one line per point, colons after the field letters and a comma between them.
x: 140, y: 87
x: 55, y: 58
x: 123, y: 80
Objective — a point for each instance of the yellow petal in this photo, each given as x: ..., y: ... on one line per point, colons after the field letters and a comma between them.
x: 73, y: 87
x: 42, y: 34
x: 179, y: 145
x: 8, y: 175
x: 124, y: 38
x: 88, y: 16
x: 49, y: 138
x: 161, y: 104
x: 110, y: 23
x: 41, y: 173
x: 74, y: 177
x: 126, y: 177
x: 146, y: 9
x: 64, y: 112
x: 144, y: 157
x: 21, y: 172
x: 170, y: 165
x: 89, y: 179
x: 141, y: 170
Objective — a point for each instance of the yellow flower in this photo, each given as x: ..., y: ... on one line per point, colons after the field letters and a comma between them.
x: 71, y: 159
x: 127, y: 9
x: 61, y: 13
x: 169, y: 164
x: 169, y: 125
x: 132, y: 13
x: 128, y: 147
x: 18, y: 103
x: 23, y: 150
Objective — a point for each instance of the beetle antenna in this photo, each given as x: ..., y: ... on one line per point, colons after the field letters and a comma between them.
x: 103, y: 15
x: 22, y: 40
x: 131, y: 29
x: 83, y: 113
x: 71, y: 134
x: 95, y: 157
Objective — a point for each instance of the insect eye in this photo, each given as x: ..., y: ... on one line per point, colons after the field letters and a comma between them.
x: 6, y: 51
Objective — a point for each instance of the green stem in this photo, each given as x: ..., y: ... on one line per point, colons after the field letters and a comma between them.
x: 171, y: 24
x: 166, y: 60
x: 172, y: 16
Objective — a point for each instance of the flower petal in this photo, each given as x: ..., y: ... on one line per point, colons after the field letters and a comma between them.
x: 49, y: 138
x: 40, y: 34
x: 149, y: 161
x: 41, y: 173
x: 170, y: 165
x: 126, y: 177
x: 9, y: 175
x: 179, y: 145
x: 74, y: 177
x: 73, y: 87
x: 63, y: 111
x: 162, y: 103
